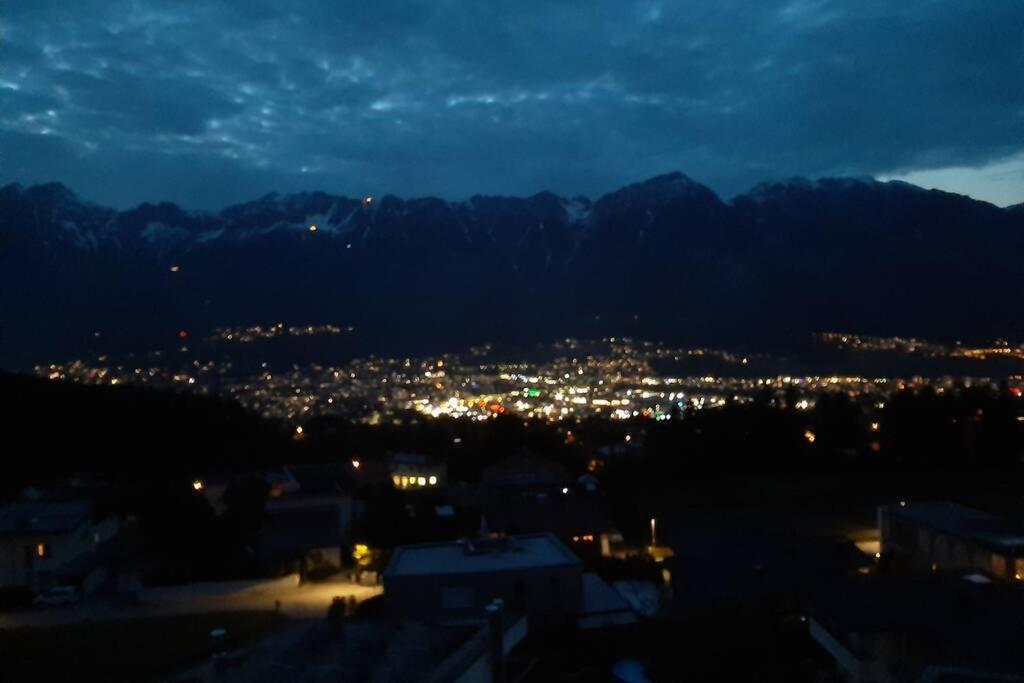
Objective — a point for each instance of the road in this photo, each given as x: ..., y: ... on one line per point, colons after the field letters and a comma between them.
x: 308, y: 601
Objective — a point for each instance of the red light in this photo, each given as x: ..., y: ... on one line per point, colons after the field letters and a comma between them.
x: 182, y: 334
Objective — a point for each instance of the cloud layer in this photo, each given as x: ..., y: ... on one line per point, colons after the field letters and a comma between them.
x: 126, y: 100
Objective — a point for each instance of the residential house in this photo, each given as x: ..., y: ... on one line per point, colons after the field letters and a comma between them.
x: 48, y: 543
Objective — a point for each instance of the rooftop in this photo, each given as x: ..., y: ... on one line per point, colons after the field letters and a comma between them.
x: 320, y: 479
x: 43, y: 518
x: 480, y: 556
x: 955, y: 619
x: 958, y: 520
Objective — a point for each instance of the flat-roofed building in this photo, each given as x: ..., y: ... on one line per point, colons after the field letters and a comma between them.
x: 937, y: 626
x: 944, y: 535
x: 534, y: 574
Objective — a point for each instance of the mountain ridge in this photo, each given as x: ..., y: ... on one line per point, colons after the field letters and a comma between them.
x: 663, y: 257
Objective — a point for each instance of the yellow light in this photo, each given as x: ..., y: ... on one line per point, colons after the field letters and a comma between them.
x: 361, y: 550
x: 298, y: 430
x: 41, y: 550
x: 875, y: 426
x: 809, y: 435
x: 197, y: 485
x: 422, y: 481
x: 433, y: 481
x: 356, y: 464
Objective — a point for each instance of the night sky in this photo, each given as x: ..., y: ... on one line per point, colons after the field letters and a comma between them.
x: 216, y: 102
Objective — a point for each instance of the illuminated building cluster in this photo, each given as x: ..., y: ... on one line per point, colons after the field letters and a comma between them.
x: 611, y: 378
x: 258, y: 332
x: 1000, y: 348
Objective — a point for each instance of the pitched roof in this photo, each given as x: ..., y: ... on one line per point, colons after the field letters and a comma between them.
x: 19, y: 519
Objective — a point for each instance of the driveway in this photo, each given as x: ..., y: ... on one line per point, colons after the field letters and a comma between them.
x: 308, y: 601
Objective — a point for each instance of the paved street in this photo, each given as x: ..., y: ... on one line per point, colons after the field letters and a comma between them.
x: 304, y: 602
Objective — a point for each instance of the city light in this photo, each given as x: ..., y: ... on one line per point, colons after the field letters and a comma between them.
x: 619, y: 382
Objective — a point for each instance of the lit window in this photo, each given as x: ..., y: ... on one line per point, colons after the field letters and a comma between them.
x: 42, y: 550
x: 422, y: 481
x: 433, y: 481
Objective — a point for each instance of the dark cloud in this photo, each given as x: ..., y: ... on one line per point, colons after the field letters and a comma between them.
x: 207, y: 104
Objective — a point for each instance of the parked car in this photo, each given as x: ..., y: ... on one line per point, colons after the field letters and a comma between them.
x: 58, y: 595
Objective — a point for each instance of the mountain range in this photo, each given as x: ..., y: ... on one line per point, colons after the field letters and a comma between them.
x: 665, y: 258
